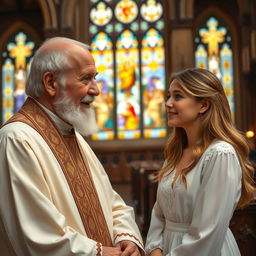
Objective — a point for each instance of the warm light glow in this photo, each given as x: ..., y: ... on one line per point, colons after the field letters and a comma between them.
x: 249, y: 134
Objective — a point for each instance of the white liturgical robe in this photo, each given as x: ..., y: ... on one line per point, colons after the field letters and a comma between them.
x: 39, y: 215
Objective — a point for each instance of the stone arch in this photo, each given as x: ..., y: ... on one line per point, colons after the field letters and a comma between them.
x: 15, y: 27
x: 49, y: 14
x: 67, y: 12
x: 170, y: 7
x: 244, y: 6
x: 187, y: 9
x: 72, y: 25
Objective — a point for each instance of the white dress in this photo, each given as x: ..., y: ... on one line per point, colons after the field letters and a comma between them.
x: 195, y: 221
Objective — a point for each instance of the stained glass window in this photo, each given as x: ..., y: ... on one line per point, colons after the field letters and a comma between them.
x: 214, y: 52
x: 17, y: 57
x: 127, y: 42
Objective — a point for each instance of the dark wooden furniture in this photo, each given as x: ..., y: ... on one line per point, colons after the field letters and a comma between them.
x: 117, y: 155
x: 243, y: 226
x: 144, y: 190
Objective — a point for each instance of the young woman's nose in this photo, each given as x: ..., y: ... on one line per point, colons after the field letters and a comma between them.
x: 169, y: 102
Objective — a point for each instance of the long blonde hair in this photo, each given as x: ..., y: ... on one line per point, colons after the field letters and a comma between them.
x: 216, y: 124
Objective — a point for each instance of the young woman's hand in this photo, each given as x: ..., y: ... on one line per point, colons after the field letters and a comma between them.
x: 156, y: 252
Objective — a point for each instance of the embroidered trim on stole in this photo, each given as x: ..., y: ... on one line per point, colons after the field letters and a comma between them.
x: 81, y: 184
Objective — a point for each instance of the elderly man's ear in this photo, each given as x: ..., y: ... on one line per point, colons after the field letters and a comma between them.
x: 50, y: 83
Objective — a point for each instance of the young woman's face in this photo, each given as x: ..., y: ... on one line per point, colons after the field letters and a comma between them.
x: 182, y: 109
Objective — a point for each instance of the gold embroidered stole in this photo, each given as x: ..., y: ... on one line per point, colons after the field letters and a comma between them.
x: 74, y: 167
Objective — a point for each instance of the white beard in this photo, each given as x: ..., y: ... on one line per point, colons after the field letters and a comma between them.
x: 83, y: 121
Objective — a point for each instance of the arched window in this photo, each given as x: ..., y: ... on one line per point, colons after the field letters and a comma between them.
x: 17, y: 57
x: 127, y: 42
x: 214, y: 52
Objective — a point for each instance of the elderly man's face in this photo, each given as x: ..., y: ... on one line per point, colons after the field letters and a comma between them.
x: 80, y: 81
x: 77, y: 91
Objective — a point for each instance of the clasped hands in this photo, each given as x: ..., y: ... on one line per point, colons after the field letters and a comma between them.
x: 123, y: 248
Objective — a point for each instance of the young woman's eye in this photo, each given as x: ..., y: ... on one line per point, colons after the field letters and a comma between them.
x: 177, y: 96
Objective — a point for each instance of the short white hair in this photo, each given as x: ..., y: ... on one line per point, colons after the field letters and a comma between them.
x: 55, y: 61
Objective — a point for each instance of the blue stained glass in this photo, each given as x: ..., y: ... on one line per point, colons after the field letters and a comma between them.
x: 104, y: 104
x: 214, y: 52
x: 7, y: 89
x: 17, y: 58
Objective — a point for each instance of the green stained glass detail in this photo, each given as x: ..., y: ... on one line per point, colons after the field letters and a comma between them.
x: 160, y: 25
x: 109, y: 28
x: 144, y: 25
x: 93, y: 29
x: 118, y: 27
x: 134, y: 26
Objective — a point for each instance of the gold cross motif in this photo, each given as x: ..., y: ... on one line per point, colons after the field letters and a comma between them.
x: 20, y: 51
x: 213, y: 36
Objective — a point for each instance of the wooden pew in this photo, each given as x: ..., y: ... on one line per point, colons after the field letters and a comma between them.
x: 144, y: 190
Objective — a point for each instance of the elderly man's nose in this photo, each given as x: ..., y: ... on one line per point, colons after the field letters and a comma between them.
x: 94, y: 89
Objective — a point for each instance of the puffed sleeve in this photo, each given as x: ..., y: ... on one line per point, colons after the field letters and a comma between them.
x: 155, y: 232
x: 217, y: 199
x: 28, y: 211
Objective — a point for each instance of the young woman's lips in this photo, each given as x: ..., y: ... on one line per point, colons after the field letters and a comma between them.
x: 171, y: 114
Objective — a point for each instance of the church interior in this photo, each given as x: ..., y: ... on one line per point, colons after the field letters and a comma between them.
x: 137, y: 45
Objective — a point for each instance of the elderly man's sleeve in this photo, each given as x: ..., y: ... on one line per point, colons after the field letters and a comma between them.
x: 124, y: 225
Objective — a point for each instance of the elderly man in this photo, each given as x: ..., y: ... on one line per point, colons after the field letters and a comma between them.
x: 56, y: 197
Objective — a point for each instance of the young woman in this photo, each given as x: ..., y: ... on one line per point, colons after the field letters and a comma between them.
x: 206, y: 174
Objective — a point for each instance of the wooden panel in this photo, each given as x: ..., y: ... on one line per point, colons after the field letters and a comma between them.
x: 116, y: 156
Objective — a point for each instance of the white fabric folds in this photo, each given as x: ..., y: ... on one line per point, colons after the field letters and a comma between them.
x: 195, y: 221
